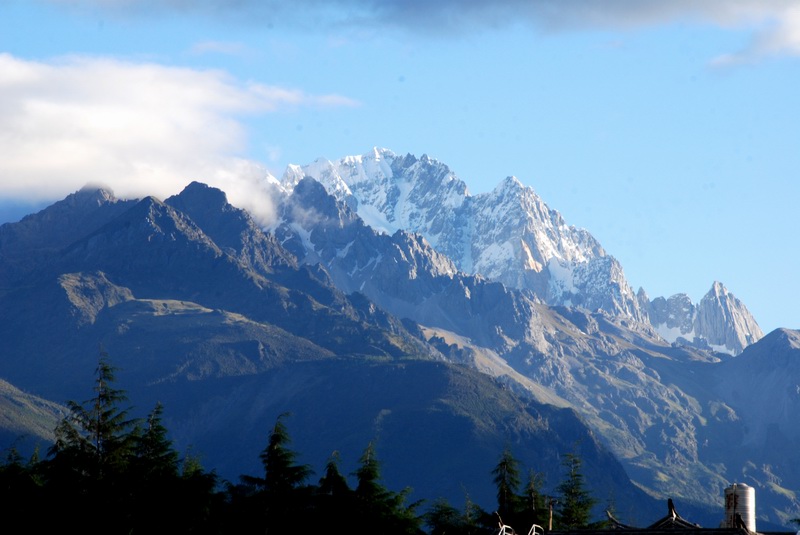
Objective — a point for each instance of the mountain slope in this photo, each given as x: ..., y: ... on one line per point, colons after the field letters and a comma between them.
x: 26, y: 421
x: 762, y: 386
x: 436, y: 427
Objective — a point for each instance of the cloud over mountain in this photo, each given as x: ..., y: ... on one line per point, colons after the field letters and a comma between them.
x: 141, y: 128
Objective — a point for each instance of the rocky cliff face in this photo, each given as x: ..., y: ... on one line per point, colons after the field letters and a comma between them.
x: 725, y: 322
x: 719, y: 321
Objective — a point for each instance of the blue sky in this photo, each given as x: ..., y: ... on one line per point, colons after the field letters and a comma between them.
x: 670, y: 131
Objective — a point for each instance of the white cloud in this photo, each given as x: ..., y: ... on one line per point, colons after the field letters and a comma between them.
x: 780, y: 37
x: 774, y: 26
x: 140, y: 128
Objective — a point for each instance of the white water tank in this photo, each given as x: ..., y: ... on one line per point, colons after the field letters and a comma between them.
x: 740, y: 498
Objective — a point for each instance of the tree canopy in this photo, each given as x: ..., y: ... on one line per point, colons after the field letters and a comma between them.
x: 575, y: 502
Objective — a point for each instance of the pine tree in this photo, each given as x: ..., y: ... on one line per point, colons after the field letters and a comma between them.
x: 533, y: 505
x: 382, y: 509
x: 442, y: 518
x: 282, y: 474
x: 334, y: 501
x: 333, y: 483
x: 285, y: 494
x: 88, y: 462
x: 97, y: 432
x: 153, y: 477
x: 154, y: 452
x: 507, y: 482
x: 575, y: 502
x: 368, y: 475
x: 199, y: 504
x: 120, y: 471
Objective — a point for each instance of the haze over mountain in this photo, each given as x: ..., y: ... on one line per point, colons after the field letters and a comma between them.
x: 367, y: 330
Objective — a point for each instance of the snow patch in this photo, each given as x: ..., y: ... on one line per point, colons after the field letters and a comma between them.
x: 376, y: 219
x: 495, y: 257
x: 341, y: 253
x: 374, y: 261
x: 562, y: 276
x: 722, y: 349
x: 304, y: 235
x: 671, y: 334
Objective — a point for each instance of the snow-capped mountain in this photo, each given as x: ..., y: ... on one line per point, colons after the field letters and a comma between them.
x: 510, y: 235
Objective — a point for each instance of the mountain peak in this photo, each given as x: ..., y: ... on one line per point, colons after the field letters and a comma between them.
x: 378, y: 153
x: 510, y: 183
x: 719, y: 320
x: 204, y: 204
x: 231, y: 228
x: 95, y: 188
x: 718, y: 289
x: 512, y: 186
x: 198, y: 192
x: 718, y: 292
x: 90, y: 195
x: 726, y: 321
x: 761, y: 386
x: 59, y: 225
x: 787, y: 339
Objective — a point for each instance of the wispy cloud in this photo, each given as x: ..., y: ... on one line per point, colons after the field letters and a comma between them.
x: 777, y: 35
x: 219, y: 47
x: 773, y: 24
x: 140, y: 128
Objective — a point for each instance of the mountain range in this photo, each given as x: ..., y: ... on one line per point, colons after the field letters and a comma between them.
x: 510, y: 235
x: 385, y: 303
